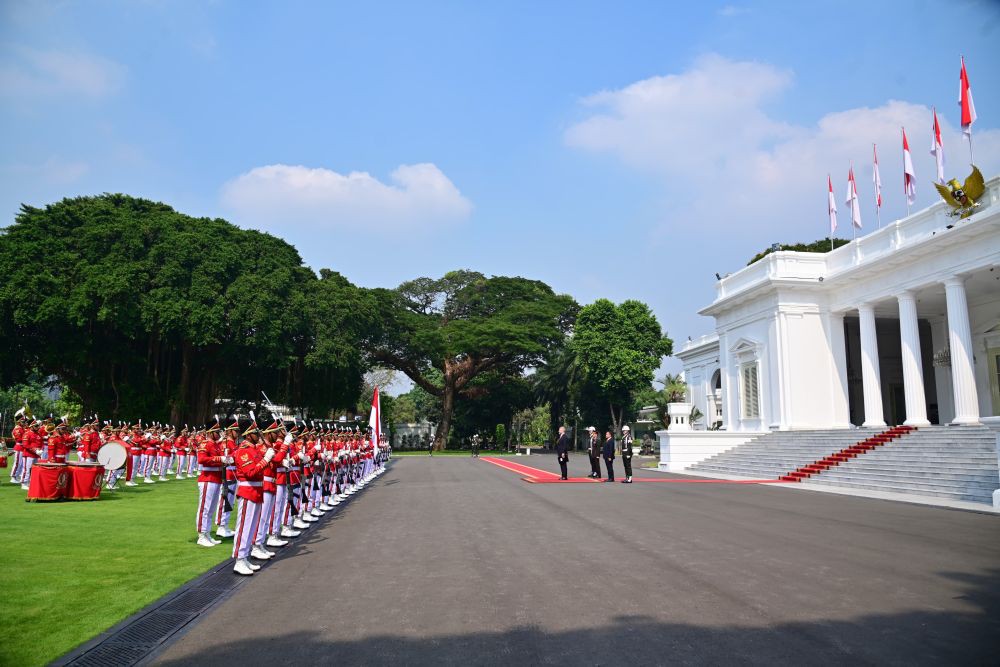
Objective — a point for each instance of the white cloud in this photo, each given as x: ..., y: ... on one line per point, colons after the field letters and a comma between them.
x: 278, y: 197
x: 729, y: 163
x: 31, y: 73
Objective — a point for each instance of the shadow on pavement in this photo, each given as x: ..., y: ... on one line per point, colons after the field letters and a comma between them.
x: 914, y: 637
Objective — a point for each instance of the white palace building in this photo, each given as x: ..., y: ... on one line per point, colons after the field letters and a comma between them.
x: 901, y: 326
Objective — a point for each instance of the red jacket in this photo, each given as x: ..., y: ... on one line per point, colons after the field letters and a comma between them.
x: 166, y: 447
x: 59, y: 447
x: 210, y: 459
x: 136, y: 443
x: 228, y: 448
x: 18, y: 435
x: 270, y: 477
x: 250, y: 466
x: 31, y: 445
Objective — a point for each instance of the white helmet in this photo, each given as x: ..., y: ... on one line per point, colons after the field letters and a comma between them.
x: 626, y: 428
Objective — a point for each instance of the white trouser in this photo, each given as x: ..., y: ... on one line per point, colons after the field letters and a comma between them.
x: 266, y: 508
x: 136, y: 466
x: 247, y: 518
x: 181, y: 463
x: 278, y: 516
x: 18, y: 467
x: 26, y: 475
x: 208, y: 498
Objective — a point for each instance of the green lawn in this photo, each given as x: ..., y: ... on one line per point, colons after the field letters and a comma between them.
x: 70, y: 570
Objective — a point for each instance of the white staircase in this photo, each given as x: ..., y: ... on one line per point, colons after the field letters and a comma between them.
x: 775, y: 454
x: 956, y: 462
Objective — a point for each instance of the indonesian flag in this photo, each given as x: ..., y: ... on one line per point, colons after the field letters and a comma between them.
x: 877, y: 180
x: 852, y: 199
x: 965, y: 99
x: 937, y: 149
x: 831, y: 206
x: 375, y: 421
x: 909, y: 176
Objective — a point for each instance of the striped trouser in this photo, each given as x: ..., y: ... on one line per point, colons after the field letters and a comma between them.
x: 208, y: 498
x: 222, y: 515
x: 247, y: 518
x: 135, y: 471
x: 192, y: 459
x: 181, y: 463
x: 266, y: 510
x: 278, y: 517
x: 17, y: 468
x: 26, y: 475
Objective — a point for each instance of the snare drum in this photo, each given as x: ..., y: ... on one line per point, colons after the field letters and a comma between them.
x: 49, y: 481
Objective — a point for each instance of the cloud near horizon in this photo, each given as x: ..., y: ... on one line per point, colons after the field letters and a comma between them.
x: 729, y: 163
x: 280, y: 197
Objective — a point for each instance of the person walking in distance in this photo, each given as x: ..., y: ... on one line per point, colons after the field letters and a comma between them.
x: 475, y: 445
x: 609, y: 455
x: 562, y: 452
x: 627, y: 453
x: 594, y: 452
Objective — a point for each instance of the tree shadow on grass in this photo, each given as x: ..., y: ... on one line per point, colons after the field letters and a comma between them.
x: 917, y: 637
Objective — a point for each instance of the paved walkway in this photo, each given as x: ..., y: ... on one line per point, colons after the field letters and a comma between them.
x: 456, y: 561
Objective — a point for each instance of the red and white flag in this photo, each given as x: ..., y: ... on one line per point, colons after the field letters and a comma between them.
x: 852, y: 199
x: 831, y: 206
x: 965, y: 99
x: 877, y: 180
x: 909, y: 176
x: 937, y: 148
x: 375, y: 421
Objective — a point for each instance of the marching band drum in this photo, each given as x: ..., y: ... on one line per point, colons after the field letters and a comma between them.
x: 49, y: 481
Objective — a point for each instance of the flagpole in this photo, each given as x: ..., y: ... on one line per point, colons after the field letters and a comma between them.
x: 878, y: 185
x: 972, y: 158
x: 906, y: 195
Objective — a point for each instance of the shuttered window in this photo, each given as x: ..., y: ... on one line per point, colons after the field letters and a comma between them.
x: 751, y: 391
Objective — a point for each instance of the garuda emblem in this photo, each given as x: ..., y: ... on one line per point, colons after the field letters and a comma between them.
x: 963, y: 198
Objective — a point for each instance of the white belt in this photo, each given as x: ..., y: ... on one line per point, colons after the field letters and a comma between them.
x: 231, y: 468
x: 282, y: 469
x: 208, y: 469
x: 295, y: 469
x: 250, y: 484
x: 269, y: 479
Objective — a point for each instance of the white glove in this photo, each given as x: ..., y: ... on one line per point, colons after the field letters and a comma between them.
x: 229, y: 460
x: 128, y: 438
x: 269, y: 454
x: 288, y: 438
x: 302, y: 456
x: 316, y: 448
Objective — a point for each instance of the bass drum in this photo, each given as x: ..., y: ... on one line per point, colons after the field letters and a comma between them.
x: 112, y: 455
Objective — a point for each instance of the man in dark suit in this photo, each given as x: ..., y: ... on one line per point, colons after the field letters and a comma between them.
x: 594, y: 452
x: 562, y: 451
x: 609, y: 455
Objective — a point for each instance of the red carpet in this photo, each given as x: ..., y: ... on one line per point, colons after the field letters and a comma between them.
x: 539, y: 476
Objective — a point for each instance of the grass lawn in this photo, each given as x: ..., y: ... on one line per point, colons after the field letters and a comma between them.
x: 70, y: 570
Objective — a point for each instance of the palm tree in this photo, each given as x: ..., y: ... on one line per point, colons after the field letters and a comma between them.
x: 555, y: 383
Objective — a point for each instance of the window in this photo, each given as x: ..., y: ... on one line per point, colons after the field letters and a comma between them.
x: 751, y: 391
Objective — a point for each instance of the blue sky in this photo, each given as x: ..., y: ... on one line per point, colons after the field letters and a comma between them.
x: 620, y: 150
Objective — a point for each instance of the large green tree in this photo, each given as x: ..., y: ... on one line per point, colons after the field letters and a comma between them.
x: 619, y: 348
x: 144, y: 311
x: 445, y: 332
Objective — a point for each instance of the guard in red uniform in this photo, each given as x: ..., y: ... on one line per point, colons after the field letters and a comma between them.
x: 212, y: 462
x: 31, y: 450
x: 182, y: 448
x: 250, y: 467
x: 59, y: 443
x: 228, y: 499
x: 17, y: 469
x: 267, y: 530
x: 165, y: 451
x: 136, y: 446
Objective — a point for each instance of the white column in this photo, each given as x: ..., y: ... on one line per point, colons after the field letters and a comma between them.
x: 871, y: 379
x: 840, y: 414
x: 963, y: 379
x: 913, y: 372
